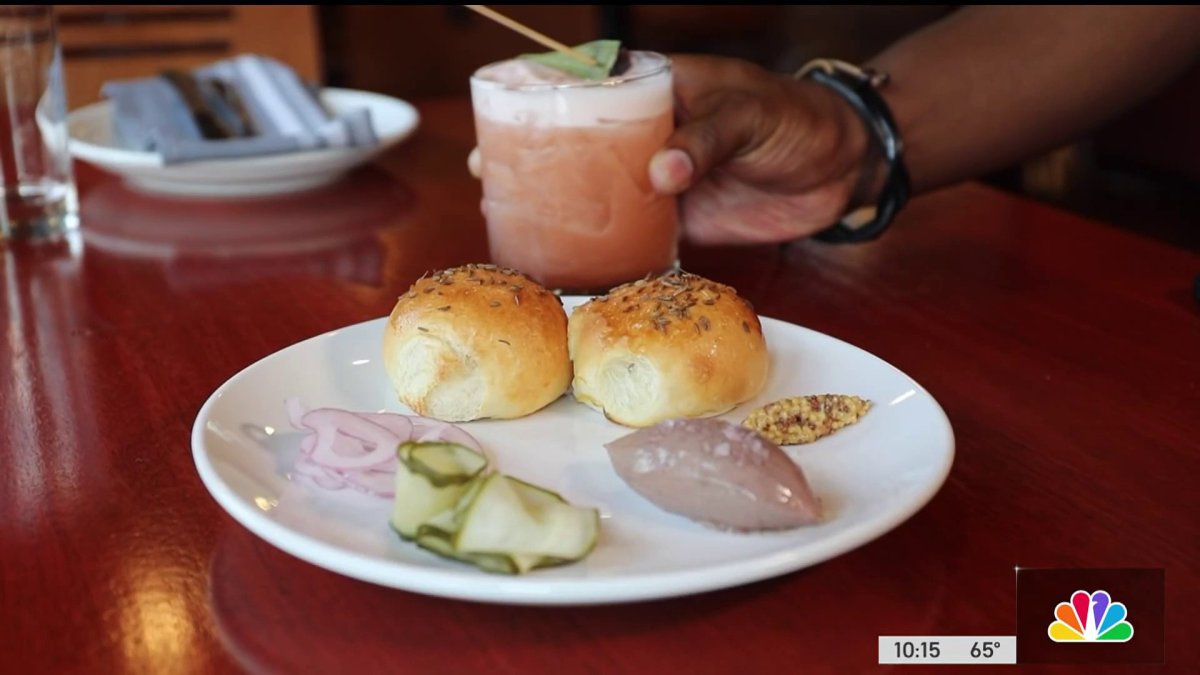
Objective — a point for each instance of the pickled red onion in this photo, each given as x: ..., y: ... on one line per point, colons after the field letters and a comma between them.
x: 358, y: 450
x: 348, y: 441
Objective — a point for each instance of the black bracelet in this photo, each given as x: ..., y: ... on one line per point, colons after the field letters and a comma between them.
x: 860, y: 88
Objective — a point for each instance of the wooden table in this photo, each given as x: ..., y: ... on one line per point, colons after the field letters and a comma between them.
x: 1066, y: 353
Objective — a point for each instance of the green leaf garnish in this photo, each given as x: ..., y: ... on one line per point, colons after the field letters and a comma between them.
x: 605, y: 53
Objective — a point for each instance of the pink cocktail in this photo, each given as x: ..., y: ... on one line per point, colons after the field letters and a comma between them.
x: 564, y: 164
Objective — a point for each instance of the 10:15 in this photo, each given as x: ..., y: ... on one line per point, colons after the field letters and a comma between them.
x: 913, y: 650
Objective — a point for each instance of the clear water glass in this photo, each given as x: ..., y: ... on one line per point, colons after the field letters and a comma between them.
x: 36, y: 180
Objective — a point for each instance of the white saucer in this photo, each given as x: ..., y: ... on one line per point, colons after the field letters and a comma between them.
x: 91, y: 140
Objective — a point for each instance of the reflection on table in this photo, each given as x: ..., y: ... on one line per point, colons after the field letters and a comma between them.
x: 329, y: 232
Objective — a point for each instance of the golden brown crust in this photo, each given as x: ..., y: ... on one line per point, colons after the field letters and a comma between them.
x: 673, y: 304
x: 474, y: 288
x: 701, y: 344
x: 495, y: 322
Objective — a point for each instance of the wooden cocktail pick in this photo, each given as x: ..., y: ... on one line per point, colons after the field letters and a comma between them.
x: 532, y: 34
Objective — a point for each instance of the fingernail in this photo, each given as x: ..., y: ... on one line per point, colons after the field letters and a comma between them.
x: 474, y: 162
x: 671, y: 170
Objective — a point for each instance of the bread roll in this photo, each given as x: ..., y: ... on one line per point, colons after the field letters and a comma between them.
x: 675, y: 346
x: 477, y: 341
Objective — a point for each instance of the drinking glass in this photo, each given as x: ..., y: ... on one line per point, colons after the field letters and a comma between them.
x: 36, y: 180
x: 565, y: 172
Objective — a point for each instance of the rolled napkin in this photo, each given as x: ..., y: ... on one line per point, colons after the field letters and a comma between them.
x: 245, y: 106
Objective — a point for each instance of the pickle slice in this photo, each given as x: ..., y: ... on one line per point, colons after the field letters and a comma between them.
x: 448, y: 504
x: 535, y: 494
x: 431, y: 478
x: 488, y: 562
x: 514, y: 518
x: 442, y: 463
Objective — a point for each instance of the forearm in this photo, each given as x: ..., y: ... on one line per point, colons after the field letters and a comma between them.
x: 989, y: 86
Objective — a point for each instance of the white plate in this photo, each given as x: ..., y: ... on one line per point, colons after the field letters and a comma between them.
x: 870, y: 476
x: 90, y: 131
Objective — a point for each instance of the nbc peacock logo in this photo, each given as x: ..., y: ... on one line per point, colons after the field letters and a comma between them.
x: 1090, y: 617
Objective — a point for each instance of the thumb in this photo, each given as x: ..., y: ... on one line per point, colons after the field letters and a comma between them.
x: 701, y: 144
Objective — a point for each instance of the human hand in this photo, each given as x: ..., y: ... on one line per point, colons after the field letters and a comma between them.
x: 757, y: 157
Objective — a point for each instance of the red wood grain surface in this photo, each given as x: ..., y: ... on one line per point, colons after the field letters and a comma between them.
x: 1066, y: 353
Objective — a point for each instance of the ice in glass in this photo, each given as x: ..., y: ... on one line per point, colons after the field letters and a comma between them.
x: 567, y: 194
